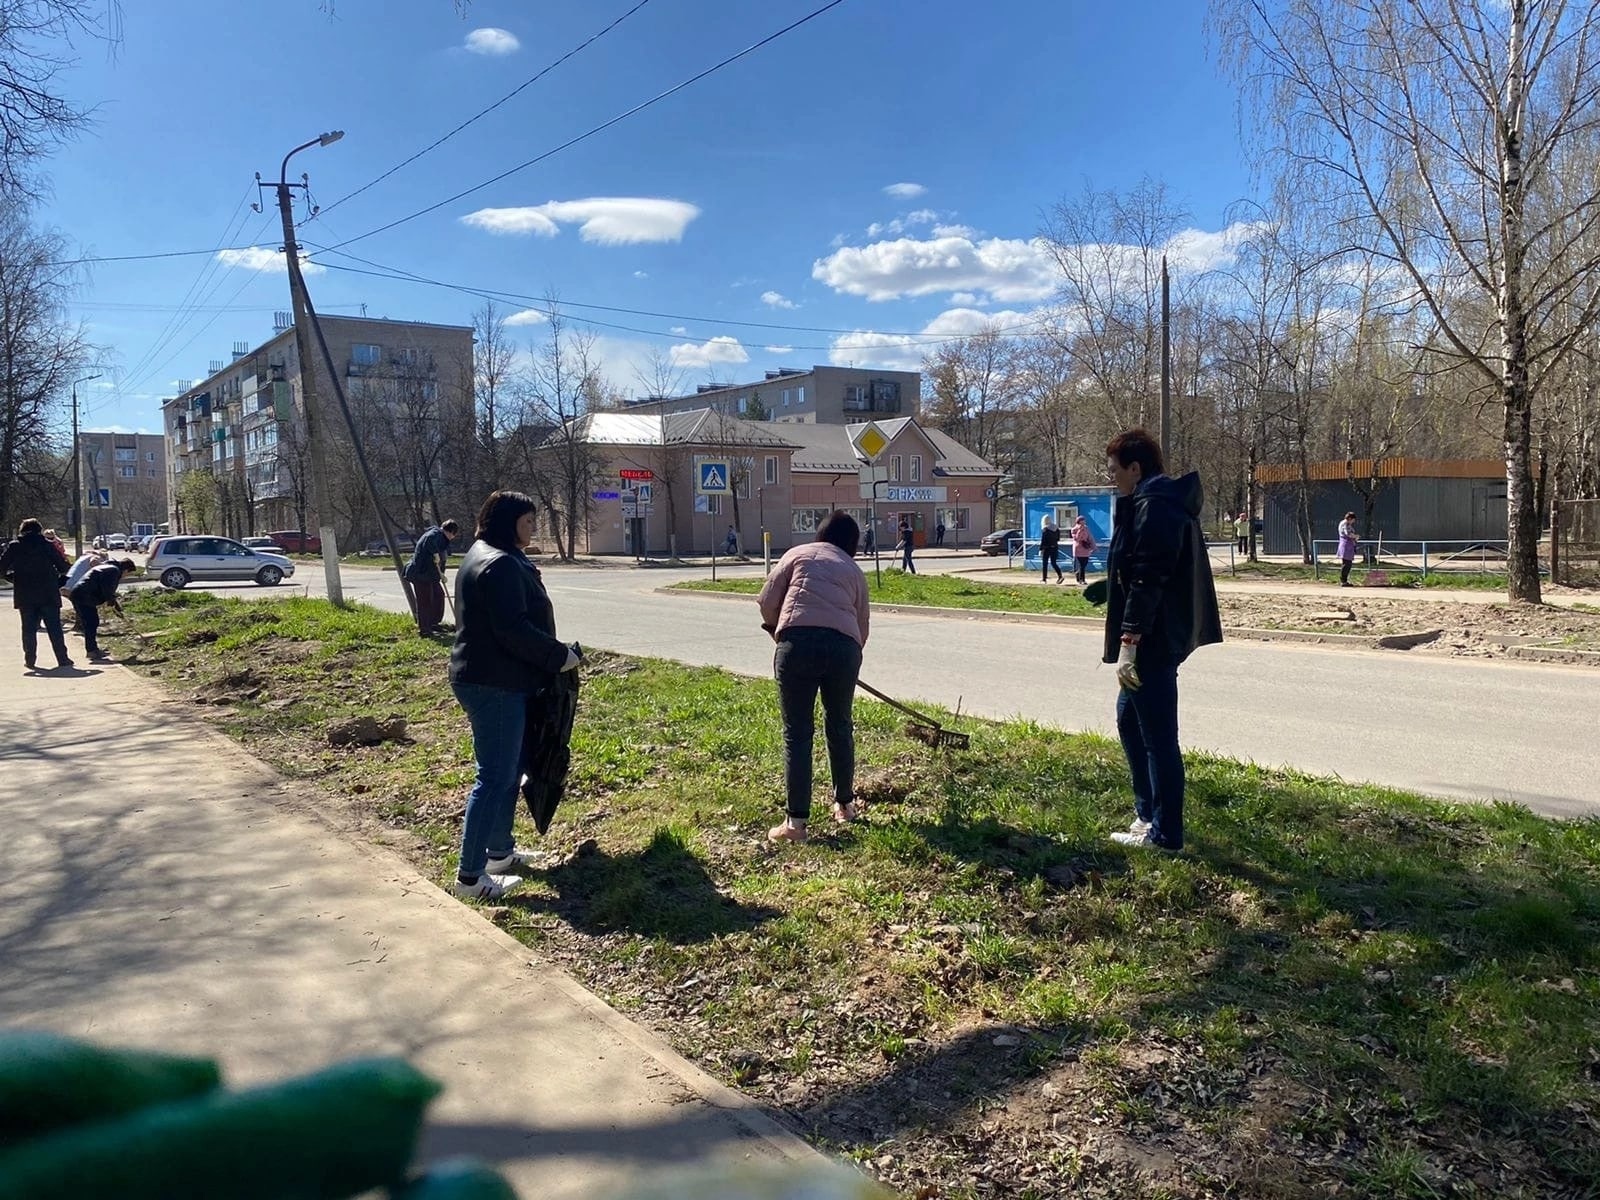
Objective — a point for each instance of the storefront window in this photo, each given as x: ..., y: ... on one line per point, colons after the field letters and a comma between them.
x: 806, y: 520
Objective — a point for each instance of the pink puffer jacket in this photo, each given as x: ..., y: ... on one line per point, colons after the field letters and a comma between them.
x: 819, y: 585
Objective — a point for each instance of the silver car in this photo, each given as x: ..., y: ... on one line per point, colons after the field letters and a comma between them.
x: 177, y: 561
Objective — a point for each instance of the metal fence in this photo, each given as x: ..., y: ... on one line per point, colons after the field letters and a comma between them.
x: 1426, y: 557
x: 1575, y: 543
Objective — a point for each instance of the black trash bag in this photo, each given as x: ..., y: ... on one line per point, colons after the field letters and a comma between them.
x: 547, y: 745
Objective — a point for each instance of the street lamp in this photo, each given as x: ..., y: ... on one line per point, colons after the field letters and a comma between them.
x: 77, y: 473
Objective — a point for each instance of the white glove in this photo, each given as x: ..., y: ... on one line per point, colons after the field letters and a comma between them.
x: 572, y: 660
x: 1127, y: 668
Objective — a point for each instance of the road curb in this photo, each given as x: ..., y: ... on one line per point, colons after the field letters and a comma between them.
x: 1552, y: 654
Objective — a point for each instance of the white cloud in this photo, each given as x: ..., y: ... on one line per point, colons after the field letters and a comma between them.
x: 922, y: 216
x: 259, y: 258
x: 776, y: 300
x: 962, y: 231
x: 606, y: 220
x: 679, y: 330
x: 904, y: 190
x: 641, y: 274
x: 904, y: 352
x: 492, y: 41
x: 779, y: 349
x: 528, y: 316
x: 1007, y: 269
x: 965, y: 299
x: 716, y: 352
x: 1200, y: 250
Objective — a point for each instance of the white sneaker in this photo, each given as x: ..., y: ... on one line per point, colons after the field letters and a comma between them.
x: 488, y: 887
x: 517, y: 858
x: 1130, y: 838
x: 1139, y: 827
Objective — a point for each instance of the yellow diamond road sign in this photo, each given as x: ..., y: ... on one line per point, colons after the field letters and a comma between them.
x: 870, y: 441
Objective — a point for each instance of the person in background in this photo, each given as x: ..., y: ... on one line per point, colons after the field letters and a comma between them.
x: 1083, y: 547
x: 1241, y: 532
x: 1161, y: 605
x: 426, y: 574
x: 1348, y: 541
x: 870, y: 546
x: 98, y: 587
x: 814, y: 604
x: 905, y: 546
x: 505, y: 651
x: 730, y: 544
x: 91, y: 559
x: 54, y: 539
x: 35, y: 567
x: 1050, y: 550
x: 938, y: 534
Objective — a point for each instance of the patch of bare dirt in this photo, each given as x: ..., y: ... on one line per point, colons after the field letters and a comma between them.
x: 1467, y: 630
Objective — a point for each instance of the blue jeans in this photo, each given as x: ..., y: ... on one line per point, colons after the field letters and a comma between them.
x: 808, y: 660
x: 498, y: 718
x: 49, y: 615
x: 88, y: 623
x: 1147, y: 723
x: 905, y: 561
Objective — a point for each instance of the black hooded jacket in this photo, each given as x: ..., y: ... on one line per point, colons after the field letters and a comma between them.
x: 36, y: 569
x: 505, y: 625
x: 1159, y: 577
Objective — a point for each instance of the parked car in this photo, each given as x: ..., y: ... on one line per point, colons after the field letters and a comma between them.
x: 296, y: 541
x: 117, y: 541
x: 176, y: 561
x: 403, y: 541
x: 261, y: 542
x: 1000, y: 541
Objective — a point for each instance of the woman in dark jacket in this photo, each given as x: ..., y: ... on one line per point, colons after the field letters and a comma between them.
x: 36, y: 568
x: 505, y: 651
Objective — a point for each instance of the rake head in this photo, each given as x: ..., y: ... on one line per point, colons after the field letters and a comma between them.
x: 937, y: 737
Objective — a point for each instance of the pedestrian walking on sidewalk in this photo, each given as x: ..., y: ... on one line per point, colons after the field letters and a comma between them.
x: 35, y: 568
x: 814, y: 605
x: 97, y: 588
x: 1348, y: 540
x: 1083, y: 547
x: 426, y: 571
x: 506, y: 655
x: 1161, y: 605
x: 904, y: 546
x: 1050, y: 550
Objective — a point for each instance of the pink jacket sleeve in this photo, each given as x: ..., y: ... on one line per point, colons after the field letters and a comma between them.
x: 772, y: 593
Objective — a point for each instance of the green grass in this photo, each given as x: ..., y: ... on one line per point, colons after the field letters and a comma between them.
x: 1399, y: 576
x: 1336, y: 989
x: 943, y: 591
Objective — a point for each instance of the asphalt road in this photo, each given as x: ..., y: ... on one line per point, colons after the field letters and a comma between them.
x: 1457, y: 728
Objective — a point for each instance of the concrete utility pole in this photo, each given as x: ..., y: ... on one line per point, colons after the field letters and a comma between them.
x: 1166, y: 363
x: 316, y: 447
x: 77, y: 474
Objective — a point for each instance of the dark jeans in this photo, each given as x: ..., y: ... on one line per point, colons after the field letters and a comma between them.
x: 430, y: 604
x: 1083, y: 569
x: 1147, y: 723
x: 809, y: 660
x: 33, y: 615
x: 88, y: 623
x: 498, y: 717
x: 905, y: 559
x: 1344, y: 569
x: 1050, y: 558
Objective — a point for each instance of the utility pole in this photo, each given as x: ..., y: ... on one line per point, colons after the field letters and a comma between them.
x: 77, y: 474
x: 316, y: 446
x: 1166, y: 363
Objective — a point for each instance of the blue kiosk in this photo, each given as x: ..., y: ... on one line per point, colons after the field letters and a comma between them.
x: 1066, y: 505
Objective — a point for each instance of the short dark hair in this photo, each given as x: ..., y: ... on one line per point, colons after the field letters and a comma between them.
x: 841, y: 529
x: 1136, y: 446
x: 128, y: 565
x: 497, y: 519
x: 450, y: 527
x: 29, y: 525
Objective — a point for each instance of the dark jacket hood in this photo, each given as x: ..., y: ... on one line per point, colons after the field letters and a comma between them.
x: 1185, y: 491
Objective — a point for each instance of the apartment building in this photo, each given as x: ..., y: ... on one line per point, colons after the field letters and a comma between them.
x: 409, y: 388
x: 818, y: 396
x: 124, y: 481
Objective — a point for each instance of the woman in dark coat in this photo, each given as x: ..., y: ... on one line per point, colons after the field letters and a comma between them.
x: 505, y: 651
x: 36, y: 568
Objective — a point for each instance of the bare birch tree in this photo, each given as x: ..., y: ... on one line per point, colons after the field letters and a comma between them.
x: 1443, y: 125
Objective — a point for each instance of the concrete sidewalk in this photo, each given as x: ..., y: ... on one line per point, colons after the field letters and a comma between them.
x: 159, y: 887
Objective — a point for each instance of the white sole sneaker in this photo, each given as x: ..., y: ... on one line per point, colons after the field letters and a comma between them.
x: 488, y: 887
x: 1139, y: 828
x: 517, y: 858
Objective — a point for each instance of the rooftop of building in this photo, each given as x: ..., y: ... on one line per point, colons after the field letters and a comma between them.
x: 829, y: 448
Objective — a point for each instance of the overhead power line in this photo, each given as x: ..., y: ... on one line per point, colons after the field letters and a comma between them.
x: 435, y: 144
x: 604, y: 125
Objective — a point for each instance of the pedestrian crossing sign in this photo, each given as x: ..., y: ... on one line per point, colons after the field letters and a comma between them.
x: 714, y: 478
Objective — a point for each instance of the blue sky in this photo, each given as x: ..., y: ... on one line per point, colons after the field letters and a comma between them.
x: 764, y: 193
